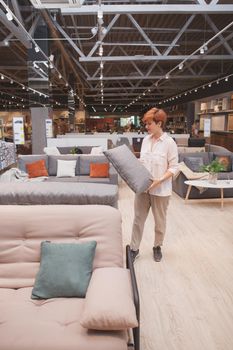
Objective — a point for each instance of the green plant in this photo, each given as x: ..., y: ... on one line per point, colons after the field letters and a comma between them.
x: 74, y: 150
x: 214, y: 167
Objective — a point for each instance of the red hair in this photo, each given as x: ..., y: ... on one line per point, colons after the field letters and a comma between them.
x: 156, y: 115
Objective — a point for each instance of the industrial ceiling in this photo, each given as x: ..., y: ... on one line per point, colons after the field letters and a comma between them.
x: 114, y: 55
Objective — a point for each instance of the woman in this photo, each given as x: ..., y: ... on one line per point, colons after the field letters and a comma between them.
x: 160, y: 156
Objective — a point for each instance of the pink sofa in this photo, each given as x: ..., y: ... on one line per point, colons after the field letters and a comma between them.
x: 50, y: 324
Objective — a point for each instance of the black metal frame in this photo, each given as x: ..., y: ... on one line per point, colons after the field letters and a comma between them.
x: 136, y: 330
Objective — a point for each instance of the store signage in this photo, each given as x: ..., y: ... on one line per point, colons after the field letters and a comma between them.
x: 206, y: 127
x: 49, y: 128
x: 18, y: 130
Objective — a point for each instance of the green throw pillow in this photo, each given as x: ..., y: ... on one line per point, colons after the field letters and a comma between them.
x: 65, y: 270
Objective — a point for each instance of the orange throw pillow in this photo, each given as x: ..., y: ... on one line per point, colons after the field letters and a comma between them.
x: 37, y: 169
x: 99, y: 169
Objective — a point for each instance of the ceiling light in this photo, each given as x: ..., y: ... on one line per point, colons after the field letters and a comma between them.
x: 103, y: 30
x: 195, y: 90
x: 59, y: 76
x: 6, y: 42
x: 101, y: 65
x: 2, y: 76
x: 66, y: 84
x: 101, y: 51
x: 100, y: 14
x: 226, y: 79
x: 51, y: 57
x: 11, y: 82
x: 181, y: 65
x: 37, y: 49
x: 217, y: 82
x: 209, y: 85
x: 202, y: 51
x: 167, y: 76
x: 50, y: 65
x: 94, y: 30
x: 9, y: 16
x: 205, y: 48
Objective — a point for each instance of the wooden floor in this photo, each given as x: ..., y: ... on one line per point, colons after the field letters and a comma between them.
x: 187, y: 298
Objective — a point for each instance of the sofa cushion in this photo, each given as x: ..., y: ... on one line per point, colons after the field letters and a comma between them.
x: 94, y: 180
x: 52, y: 151
x: 99, y: 169
x: 28, y: 324
x: 97, y: 150
x: 20, y: 238
x: 52, y: 163
x: 194, y: 163
x: 225, y: 159
x: 28, y: 158
x: 66, y: 168
x: 86, y: 160
x: 36, y: 169
x: 65, y: 270
x: 130, y: 168
x: 206, y: 156
x: 109, y: 301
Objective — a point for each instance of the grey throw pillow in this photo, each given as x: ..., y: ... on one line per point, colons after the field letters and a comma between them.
x: 65, y: 270
x: 194, y: 163
x: 130, y: 168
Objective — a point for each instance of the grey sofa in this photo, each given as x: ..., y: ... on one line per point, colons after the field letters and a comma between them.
x: 82, y: 171
x: 180, y: 187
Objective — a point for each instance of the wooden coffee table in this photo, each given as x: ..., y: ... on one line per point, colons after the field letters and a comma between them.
x: 221, y: 184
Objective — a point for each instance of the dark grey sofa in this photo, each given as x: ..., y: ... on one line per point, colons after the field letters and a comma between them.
x: 180, y: 187
x: 82, y: 171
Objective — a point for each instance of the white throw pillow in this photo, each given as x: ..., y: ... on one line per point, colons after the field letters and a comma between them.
x: 66, y: 168
x: 97, y: 151
x: 51, y: 151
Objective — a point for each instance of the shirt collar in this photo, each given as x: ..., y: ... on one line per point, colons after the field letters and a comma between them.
x: 161, y: 138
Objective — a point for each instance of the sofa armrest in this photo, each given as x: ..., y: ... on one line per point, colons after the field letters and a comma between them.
x: 130, y: 266
x: 109, y: 301
x: 178, y: 185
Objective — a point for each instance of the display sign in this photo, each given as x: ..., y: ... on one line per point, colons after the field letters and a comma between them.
x: 49, y: 128
x: 206, y: 127
x: 18, y: 130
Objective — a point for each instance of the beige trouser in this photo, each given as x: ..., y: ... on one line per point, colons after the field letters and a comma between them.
x: 142, y: 204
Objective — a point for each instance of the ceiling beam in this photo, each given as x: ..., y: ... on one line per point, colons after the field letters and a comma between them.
x: 133, y: 77
x: 15, y: 30
x: 149, y: 9
x: 156, y: 58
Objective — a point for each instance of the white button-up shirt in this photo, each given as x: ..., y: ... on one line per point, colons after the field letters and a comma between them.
x: 159, y: 157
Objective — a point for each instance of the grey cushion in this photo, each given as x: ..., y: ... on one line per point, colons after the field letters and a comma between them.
x: 206, y: 156
x: 130, y: 168
x: 194, y: 163
x: 52, y: 161
x: 31, y: 193
x: 65, y: 270
x: 28, y: 158
x: 85, y: 161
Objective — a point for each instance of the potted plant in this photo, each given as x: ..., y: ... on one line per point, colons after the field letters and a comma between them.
x: 213, y: 169
x: 76, y: 150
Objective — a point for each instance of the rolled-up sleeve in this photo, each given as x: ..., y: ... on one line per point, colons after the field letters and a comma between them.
x: 172, y: 157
